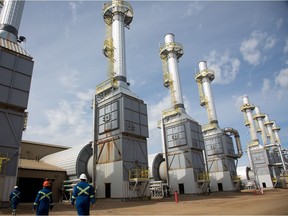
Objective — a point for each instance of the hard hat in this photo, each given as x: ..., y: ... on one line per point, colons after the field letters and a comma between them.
x: 15, y: 186
x: 46, y: 184
x: 83, y: 176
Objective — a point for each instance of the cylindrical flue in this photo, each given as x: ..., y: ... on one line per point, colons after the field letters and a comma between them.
x: 247, y: 108
x: 119, y: 14
x: 260, y: 119
x: 171, y: 52
x: 276, y: 130
x: 268, y: 125
x: 10, y: 19
x: 204, y: 78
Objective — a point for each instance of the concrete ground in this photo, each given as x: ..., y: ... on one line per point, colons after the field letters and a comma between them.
x: 272, y: 202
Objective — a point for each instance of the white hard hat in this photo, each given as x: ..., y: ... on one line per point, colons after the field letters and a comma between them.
x: 15, y: 186
x: 83, y: 176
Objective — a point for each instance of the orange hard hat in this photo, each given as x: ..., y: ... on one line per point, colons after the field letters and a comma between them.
x: 46, y: 184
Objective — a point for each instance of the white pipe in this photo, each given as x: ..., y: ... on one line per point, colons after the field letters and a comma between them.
x: 248, y: 111
x: 118, y: 36
x: 268, y: 125
x: 210, y: 107
x: 276, y: 129
x: 10, y: 19
x: 260, y: 117
x: 237, y: 140
x: 172, y: 62
x: 164, y: 167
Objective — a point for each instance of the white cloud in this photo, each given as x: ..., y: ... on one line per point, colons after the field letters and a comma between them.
x: 154, y: 115
x: 266, y: 85
x: 86, y: 95
x: 270, y: 42
x: 286, y: 47
x: 73, y: 6
x: 282, y: 78
x: 252, y: 49
x: 279, y: 23
x: 67, y: 124
x: 69, y: 79
x: 193, y: 8
x: 225, y: 67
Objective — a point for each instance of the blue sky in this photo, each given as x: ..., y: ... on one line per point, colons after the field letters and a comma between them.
x: 245, y: 43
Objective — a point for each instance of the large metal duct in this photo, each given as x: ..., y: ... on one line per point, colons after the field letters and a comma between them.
x: 75, y: 161
x: 245, y: 173
x: 157, y: 167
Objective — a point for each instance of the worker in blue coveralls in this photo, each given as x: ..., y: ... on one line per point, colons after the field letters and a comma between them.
x: 44, y: 200
x: 14, y: 199
x: 83, y: 193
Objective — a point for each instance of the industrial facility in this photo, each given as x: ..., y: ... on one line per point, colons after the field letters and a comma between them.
x: 267, y: 159
x: 195, y: 159
x: 183, y: 164
x: 220, y: 152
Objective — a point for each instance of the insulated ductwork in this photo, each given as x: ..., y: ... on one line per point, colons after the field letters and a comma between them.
x: 75, y: 161
x: 157, y: 167
x: 234, y: 132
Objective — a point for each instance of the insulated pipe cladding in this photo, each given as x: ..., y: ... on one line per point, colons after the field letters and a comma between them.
x: 259, y: 117
x: 268, y: 125
x: 10, y: 19
x: 204, y: 78
x: 237, y: 140
x: 247, y: 109
x: 118, y: 14
x: 171, y: 52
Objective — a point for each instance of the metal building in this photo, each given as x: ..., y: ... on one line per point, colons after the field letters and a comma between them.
x: 220, y: 151
x: 16, y: 68
x: 183, y: 145
x: 121, y: 123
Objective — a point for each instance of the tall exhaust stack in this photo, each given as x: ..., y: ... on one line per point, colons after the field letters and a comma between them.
x: 170, y: 54
x: 16, y: 67
x: 259, y: 117
x: 182, y: 138
x: 10, y: 19
x: 248, y: 109
x: 276, y: 154
x: 121, y: 122
x: 258, y: 155
x: 118, y: 15
x: 204, y: 79
x: 218, y: 142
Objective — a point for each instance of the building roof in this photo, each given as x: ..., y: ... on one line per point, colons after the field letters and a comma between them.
x: 38, y: 165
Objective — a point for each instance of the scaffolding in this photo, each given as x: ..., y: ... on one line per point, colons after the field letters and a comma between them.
x: 138, y: 180
x: 203, y: 181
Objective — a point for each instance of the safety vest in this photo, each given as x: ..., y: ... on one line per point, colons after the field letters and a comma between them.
x: 16, y: 195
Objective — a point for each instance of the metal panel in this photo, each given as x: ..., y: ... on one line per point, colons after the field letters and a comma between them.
x: 16, y: 71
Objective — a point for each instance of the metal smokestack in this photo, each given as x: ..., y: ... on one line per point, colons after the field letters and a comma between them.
x: 247, y: 108
x: 10, y: 19
x: 204, y: 78
x: 268, y: 125
x: 118, y: 14
x: 170, y: 53
x: 260, y: 119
